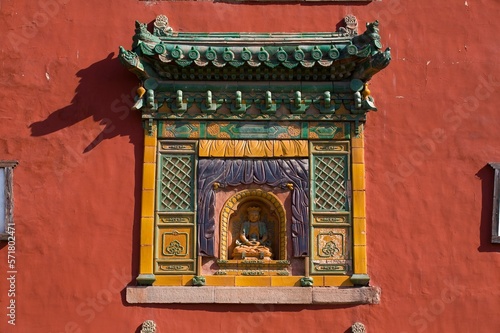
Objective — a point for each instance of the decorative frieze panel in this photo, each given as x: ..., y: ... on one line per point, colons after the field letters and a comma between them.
x: 334, y: 218
x: 329, y: 147
x: 249, y: 130
x: 331, y: 243
x: 175, y: 243
x: 164, y: 218
x: 331, y: 250
x: 181, y: 129
x: 337, y: 130
x: 178, y: 267
x: 175, y: 249
x: 178, y: 146
x: 253, y: 130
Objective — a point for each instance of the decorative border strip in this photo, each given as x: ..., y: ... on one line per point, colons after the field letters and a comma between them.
x: 254, y: 148
x: 248, y: 130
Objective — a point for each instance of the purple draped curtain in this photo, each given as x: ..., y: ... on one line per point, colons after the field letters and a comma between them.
x: 276, y: 173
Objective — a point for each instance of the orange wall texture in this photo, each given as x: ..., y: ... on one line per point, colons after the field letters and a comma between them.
x: 64, y: 112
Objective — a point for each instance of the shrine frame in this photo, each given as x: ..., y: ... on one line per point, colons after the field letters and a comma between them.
x: 294, y: 87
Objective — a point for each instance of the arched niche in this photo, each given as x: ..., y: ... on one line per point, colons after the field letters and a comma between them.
x: 233, y: 213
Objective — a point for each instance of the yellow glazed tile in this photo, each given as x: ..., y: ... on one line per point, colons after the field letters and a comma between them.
x: 254, y: 148
x: 150, y: 140
x: 358, y: 142
x: 204, y: 148
x: 230, y: 148
x: 319, y: 281
x: 168, y: 280
x: 146, y: 259
x: 221, y: 281
x: 359, y: 227
x: 187, y: 280
x: 148, y: 203
x: 290, y: 148
x: 146, y: 249
x: 149, y: 154
x: 358, y: 155
x: 359, y: 203
x: 337, y: 281
x: 216, y: 148
x: 358, y: 177
x: 253, y: 281
x: 360, y: 266
x: 147, y: 231
x: 302, y: 148
x: 148, y: 176
x: 285, y: 281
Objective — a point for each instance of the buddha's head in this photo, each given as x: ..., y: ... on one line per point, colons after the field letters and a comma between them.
x: 253, y: 214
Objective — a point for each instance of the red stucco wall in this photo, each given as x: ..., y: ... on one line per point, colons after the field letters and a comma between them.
x: 63, y: 110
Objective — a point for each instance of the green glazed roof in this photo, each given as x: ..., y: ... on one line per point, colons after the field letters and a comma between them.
x: 276, y: 56
x: 206, y: 67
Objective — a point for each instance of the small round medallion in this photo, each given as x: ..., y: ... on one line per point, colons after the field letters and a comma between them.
x: 316, y: 54
x: 246, y: 54
x: 298, y: 55
x: 193, y: 54
x: 159, y: 49
x: 333, y: 53
x: 176, y: 53
x: 210, y: 54
x: 263, y: 55
x: 352, y: 49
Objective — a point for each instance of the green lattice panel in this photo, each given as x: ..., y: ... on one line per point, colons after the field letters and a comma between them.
x: 176, y: 183
x: 330, y: 183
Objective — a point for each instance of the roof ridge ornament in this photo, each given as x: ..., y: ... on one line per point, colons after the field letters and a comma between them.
x: 351, y: 25
x: 161, y: 27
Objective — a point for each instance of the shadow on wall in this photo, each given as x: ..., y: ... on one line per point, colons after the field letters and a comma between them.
x: 487, y: 176
x: 106, y: 92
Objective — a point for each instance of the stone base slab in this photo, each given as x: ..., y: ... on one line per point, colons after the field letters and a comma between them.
x: 253, y: 295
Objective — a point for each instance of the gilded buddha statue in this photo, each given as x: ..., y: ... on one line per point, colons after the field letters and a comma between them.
x: 253, y: 238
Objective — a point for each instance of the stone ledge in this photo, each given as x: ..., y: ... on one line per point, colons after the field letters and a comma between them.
x: 253, y: 295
